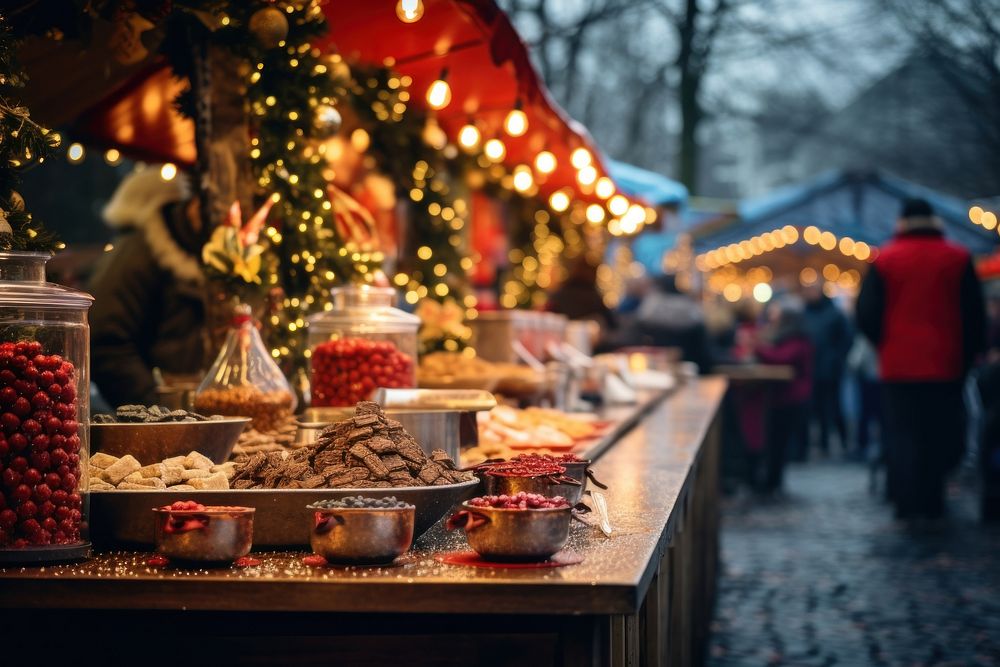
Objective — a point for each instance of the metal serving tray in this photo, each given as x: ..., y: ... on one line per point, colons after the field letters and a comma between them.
x: 125, y: 518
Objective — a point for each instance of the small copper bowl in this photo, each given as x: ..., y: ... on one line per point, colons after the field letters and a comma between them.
x: 506, y: 485
x: 361, y: 535
x: 214, y: 534
x: 508, y: 535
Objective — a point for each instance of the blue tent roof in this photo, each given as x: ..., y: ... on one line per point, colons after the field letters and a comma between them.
x: 655, y: 188
x: 862, y: 205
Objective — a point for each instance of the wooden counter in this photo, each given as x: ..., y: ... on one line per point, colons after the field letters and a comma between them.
x: 642, y: 596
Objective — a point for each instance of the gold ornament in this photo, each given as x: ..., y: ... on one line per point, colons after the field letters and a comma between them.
x: 269, y: 26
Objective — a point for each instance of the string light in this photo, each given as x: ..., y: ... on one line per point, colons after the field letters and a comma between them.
x: 605, y: 187
x: 75, y: 153
x: 469, y: 136
x: 360, y: 140
x: 409, y: 11
x: 634, y: 219
x: 989, y: 220
x: 112, y: 156
x: 495, y: 150
x: 523, y: 180
x: 580, y: 158
x: 595, y: 214
x: 439, y: 92
x: 559, y: 201
x: 618, y: 205
x: 545, y: 162
x: 516, y: 122
x: 762, y: 292
x: 587, y: 175
x: 168, y: 171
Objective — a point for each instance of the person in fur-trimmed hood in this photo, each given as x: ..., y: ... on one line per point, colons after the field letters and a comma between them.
x: 148, y: 307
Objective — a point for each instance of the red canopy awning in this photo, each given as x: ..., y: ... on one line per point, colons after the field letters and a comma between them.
x: 487, y: 67
x: 488, y: 71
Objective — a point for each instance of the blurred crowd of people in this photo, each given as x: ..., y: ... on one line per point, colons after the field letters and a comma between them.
x: 914, y: 362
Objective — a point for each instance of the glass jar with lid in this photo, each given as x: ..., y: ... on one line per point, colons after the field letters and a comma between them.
x: 44, y: 413
x: 364, y: 342
x: 245, y: 381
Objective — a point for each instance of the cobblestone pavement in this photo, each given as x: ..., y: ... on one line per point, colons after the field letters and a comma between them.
x: 826, y: 576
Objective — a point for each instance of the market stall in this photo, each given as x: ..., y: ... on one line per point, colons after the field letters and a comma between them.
x: 346, y: 468
x: 640, y: 596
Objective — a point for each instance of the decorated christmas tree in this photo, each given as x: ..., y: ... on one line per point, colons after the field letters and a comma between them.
x: 23, y: 144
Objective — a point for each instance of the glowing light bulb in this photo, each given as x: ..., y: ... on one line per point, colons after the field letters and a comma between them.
x: 762, y: 292
x: 516, y: 122
x: 581, y: 158
x: 545, y: 162
x: 495, y: 150
x: 360, y: 140
x: 605, y: 187
x: 618, y: 205
x: 439, y: 92
x: 409, y: 11
x: 989, y: 220
x: 595, y: 214
x: 75, y: 153
x: 112, y: 156
x: 168, y: 171
x: 587, y: 175
x: 469, y: 136
x: 523, y: 180
x: 975, y: 213
x: 559, y: 201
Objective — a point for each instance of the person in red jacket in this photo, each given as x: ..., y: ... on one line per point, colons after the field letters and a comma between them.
x: 785, y: 342
x: 921, y: 305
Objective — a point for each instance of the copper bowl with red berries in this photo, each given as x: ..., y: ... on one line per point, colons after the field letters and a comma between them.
x: 522, y: 527
x: 190, y: 531
x: 535, y: 474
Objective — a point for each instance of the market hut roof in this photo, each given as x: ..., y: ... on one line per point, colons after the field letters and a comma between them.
x: 862, y: 206
x: 654, y: 188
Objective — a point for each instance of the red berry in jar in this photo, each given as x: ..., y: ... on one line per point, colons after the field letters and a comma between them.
x: 42, y: 494
x: 27, y: 510
x: 18, y: 442
x: 40, y: 400
x: 10, y: 422
x: 39, y: 448
x: 46, y: 509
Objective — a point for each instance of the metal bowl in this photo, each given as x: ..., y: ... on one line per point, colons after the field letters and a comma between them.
x: 215, y: 534
x: 361, y: 535
x: 433, y: 429
x: 121, y: 518
x: 513, y: 535
x: 151, y: 443
x: 497, y: 485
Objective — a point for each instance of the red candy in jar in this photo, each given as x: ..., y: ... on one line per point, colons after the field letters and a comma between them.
x: 39, y: 502
x: 362, y: 342
x: 347, y: 370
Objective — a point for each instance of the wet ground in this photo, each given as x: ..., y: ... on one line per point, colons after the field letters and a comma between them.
x: 826, y: 576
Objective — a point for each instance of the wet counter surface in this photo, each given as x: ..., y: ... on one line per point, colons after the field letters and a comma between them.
x: 648, y: 470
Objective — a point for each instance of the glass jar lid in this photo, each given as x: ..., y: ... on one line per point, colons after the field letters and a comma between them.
x: 365, y: 307
x: 22, y: 283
